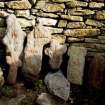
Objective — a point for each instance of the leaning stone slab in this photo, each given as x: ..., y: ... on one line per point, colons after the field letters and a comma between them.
x: 13, y: 40
x: 76, y: 64
x: 55, y: 53
x: 58, y: 85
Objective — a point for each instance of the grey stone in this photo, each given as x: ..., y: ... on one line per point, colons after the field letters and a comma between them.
x: 1, y: 78
x: 80, y: 12
x: 34, y: 50
x: 82, y: 32
x: 2, y: 5
x: 48, y: 99
x: 23, y: 4
x: 22, y: 13
x: 62, y: 23
x: 48, y: 7
x: 74, y: 3
x: 25, y: 22
x: 96, y: 5
x: 55, y: 53
x: 94, y: 23
x: 72, y: 18
x: 76, y: 64
x: 47, y: 21
x: 58, y: 85
x: 100, y: 15
x: 76, y: 25
x: 13, y: 40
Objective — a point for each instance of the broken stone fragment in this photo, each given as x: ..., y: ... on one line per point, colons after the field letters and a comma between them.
x: 55, y: 53
x: 58, y: 85
x: 96, y: 71
x: 76, y: 64
x: 13, y: 40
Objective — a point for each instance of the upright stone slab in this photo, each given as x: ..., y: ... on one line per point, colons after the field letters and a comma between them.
x: 55, y: 53
x: 76, y: 64
x: 96, y: 71
x: 34, y: 50
x: 13, y: 40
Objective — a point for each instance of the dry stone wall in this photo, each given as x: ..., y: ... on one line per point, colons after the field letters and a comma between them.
x: 77, y: 22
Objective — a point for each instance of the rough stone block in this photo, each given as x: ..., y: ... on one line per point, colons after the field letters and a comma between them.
x: 82, y: 32
x: 76, y: 25
x: 76, y: 64
x: 23, y: 4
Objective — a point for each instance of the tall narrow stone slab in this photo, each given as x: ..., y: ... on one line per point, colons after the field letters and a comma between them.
x: 13, y: 40
x: 36, y: 39
x: 76, y: 64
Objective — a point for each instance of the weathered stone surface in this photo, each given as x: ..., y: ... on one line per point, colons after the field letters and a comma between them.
x: 10, y: 11
x: 72, y: 18
x: 55, y: 30
x: 61, y: 1
x: 94, y: 23
x: 55, y: 53
x: 62, y: 23
x: 12, y: 101
x: 96, y: 71
x: 60, y: 38
x: 80, y: 12
x: 76, y: 64
x: 2, y: 22
x: 76, y: 25
x: 22, y: 13
x: 96, y: 5
x: 98, y: 0
x: 3, y: 14
x: 1, y: 78
x: 23, y: 4
x: 93, y: 46
x: 70, y: 39
x: 101, y: 37
x: 42, y: 14
x: 47, y: 21
x: 75, y: 3
x: 26, y: 23
x: 100, y: 15
x: 91, y: 40
x: 13, y: 40
x: 58, y: 85
x: 2, y: 5
x: 32, y: 2
x: 82, y: 32
x: 47, y: 7
x: 48, y: 99
x: 34, y: 50
x: 2, y: 32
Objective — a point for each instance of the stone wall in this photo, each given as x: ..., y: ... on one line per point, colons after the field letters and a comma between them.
x: 81, y: 23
